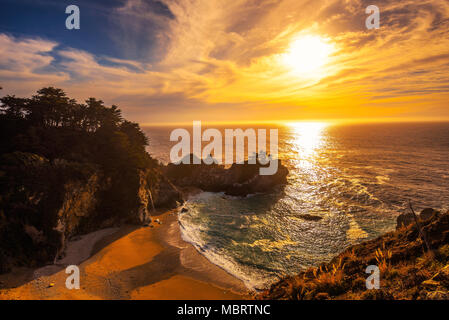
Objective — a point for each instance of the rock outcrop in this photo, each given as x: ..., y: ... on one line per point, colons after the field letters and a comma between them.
x: 238, y: 180
x: 155, y: 191
x: 406, y: 219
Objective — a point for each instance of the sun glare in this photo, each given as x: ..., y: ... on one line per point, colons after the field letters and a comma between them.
x: 308, y: 139
x: 307, y: 56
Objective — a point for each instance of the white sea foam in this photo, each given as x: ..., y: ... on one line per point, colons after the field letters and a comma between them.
x: 252, y: 278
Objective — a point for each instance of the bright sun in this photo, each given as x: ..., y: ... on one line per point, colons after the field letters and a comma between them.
x: 308, y: 55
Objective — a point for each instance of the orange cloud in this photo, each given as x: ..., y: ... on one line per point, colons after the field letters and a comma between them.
x: 221, y: 61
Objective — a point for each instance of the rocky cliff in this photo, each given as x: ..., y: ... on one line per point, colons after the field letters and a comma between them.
x: 44, y: 203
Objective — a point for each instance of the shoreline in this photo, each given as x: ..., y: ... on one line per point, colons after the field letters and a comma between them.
x: 129, y: 262
x: 154, y: 263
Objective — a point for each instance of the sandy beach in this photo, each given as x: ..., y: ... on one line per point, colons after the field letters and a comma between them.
x: 128, y: 263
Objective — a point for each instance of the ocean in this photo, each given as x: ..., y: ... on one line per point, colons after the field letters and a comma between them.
x: 353, y: 179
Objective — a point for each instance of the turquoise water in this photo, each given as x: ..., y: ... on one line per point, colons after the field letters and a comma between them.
x: 356, y: 178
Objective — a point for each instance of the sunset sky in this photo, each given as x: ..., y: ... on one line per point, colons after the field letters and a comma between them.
x: 243, y: 60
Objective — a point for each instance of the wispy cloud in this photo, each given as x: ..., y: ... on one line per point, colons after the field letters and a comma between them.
x: 215, y: 60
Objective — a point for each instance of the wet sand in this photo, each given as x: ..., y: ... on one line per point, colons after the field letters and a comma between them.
x: 129, y: 263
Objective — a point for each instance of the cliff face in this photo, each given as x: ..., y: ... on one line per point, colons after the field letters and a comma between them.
x: 78, y: 203
x: 408, y: 270
x: 155, y: 191
x: 41, y: 204
x: 44, y: 203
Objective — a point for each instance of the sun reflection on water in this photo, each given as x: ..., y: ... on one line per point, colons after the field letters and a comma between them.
x: 307, y: 141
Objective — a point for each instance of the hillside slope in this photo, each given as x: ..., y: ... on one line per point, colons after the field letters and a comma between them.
x: 407, y: 269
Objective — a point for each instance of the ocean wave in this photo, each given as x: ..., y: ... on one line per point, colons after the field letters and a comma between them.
x: 254, y: 279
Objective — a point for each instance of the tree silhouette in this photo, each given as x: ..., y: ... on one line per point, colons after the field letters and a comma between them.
x: 52, y: 125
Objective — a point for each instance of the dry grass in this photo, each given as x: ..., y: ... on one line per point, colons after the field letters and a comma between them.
x: 402, y: 264
x: 383, y: 257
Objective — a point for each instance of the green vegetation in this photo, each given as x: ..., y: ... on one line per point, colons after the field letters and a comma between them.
x: 60, y: 160
x: 54, y: 126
